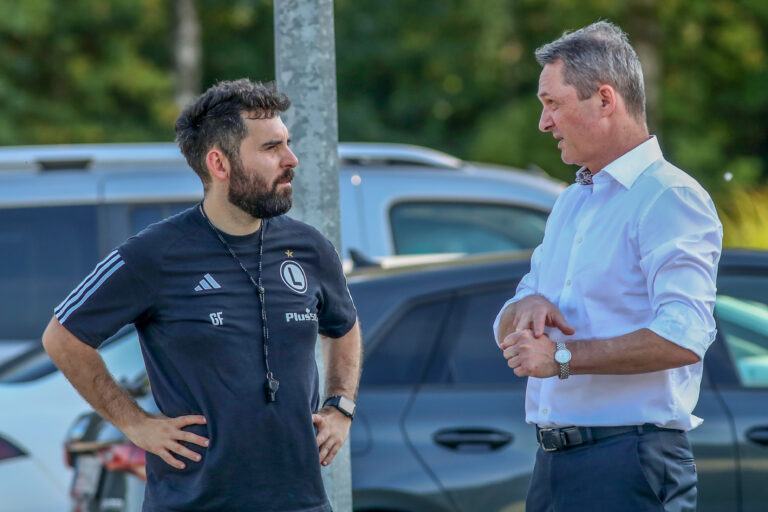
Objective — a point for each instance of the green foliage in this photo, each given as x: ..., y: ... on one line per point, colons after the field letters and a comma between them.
x: 461, y: 76
x: 745, y: 218
x: 85, y: 71
x: 450, y: 74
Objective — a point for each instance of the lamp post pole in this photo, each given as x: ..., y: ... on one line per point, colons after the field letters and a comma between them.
x: 305, y: 61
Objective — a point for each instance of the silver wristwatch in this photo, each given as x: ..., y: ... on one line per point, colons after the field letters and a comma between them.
x: 563, y: 358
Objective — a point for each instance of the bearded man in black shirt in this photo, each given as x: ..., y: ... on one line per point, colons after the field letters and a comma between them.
x: 228, y: 298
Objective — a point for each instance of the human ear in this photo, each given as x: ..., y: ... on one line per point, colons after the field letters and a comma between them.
x: 608, y: 99
x: 218, y: 164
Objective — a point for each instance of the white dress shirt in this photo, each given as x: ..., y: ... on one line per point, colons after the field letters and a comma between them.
x: 638, y: 248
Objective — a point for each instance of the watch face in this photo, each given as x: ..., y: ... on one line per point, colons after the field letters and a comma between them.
x: 347, y: 404
x: 563, y: 356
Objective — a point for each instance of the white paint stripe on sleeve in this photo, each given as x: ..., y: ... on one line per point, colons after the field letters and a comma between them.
x: 93, y: 275
x: 86, y: 286
x: 91, y: 291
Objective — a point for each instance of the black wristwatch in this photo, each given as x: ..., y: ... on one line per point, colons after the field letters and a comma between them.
x: 342, y: 403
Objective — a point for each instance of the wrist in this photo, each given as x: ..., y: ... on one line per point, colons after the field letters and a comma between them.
x: 342, y: 404
x: 133, y: 423
x: 562, y: 359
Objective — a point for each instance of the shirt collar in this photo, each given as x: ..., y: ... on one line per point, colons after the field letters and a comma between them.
x: 629, y: 166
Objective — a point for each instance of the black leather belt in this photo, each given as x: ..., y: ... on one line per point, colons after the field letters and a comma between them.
x: 555, y: 439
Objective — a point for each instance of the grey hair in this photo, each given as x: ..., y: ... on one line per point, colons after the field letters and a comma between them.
x: 598, y: 54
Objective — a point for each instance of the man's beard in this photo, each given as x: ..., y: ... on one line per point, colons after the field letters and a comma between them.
x: 254, y: 196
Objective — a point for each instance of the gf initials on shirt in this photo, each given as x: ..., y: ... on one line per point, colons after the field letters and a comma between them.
x: 216, y: 318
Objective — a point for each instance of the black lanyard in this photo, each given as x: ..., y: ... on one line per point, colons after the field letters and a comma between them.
x: 272, y: 384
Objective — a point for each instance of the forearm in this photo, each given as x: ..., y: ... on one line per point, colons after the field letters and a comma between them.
x: 343, y: 359
x: 641, y: 351
x: 85, y: 369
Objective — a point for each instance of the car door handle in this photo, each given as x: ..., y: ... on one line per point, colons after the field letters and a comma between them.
x: 459, y: 438
x: 758, y: 435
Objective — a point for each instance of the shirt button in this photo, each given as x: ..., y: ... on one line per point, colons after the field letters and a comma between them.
x: 568, y: 283
x: 579, y: 240
x: 545, y: 411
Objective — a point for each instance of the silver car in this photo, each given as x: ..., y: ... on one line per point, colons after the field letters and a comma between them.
x: 62, y: 208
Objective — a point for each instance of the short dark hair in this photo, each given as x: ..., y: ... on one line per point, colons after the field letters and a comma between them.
x: 599, y: 54
x: 213, y: 119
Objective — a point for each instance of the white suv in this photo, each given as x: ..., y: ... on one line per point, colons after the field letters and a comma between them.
x: 62, y: 208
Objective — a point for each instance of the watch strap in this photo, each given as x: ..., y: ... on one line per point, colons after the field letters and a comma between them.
x: 565, y: 368
x: 343, y: 404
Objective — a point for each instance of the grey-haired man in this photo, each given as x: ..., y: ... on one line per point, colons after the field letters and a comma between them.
x: 613, y: 320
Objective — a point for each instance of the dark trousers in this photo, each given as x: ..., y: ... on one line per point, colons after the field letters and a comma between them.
x: 632, y: 472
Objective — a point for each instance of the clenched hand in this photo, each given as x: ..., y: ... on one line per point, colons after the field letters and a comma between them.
x: 530, y: 356
x: 533, y: 313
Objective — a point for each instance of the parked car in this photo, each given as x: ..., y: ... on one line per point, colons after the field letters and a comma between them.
x: 440, y: 417
x: 63, y: 208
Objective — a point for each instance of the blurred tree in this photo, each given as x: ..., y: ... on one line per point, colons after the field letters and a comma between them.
x: 455, y: 75
x: 461, y: 76
x: 85, y: 71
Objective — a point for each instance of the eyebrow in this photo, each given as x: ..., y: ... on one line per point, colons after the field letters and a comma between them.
x: 275, y: 142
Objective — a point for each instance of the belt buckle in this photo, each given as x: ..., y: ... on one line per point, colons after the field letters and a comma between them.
x: 557, y: 437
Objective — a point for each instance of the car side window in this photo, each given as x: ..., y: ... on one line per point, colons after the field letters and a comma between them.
x: 473, y: 358
x: 424, y: 227
x: 45, y: 252
x: 399, y: 356
x: 742, y: 310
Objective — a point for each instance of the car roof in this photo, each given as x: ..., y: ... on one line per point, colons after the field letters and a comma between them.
x: 168, y: 155
x: 743, y: 259
x: 146, y: 172
x: 392, y: 285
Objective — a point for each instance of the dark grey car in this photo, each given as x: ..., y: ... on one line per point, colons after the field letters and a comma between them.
x: 440, y: 422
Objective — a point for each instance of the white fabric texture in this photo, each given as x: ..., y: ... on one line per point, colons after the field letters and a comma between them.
x: 638, y: 248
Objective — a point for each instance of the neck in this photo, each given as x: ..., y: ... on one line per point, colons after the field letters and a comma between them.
x: 228, y: 218
x: 623, y: 140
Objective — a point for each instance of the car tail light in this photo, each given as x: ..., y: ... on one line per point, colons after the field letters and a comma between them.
x: 125, y: 458
x: 8, y: 450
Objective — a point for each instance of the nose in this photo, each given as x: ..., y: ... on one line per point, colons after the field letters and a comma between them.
x: 289, y: 159
x: 545, y: 121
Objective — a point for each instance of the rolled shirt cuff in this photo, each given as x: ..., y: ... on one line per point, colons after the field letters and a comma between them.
x: 683, y: 326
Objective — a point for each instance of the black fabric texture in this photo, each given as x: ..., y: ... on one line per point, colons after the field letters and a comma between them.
x: 204, y: 355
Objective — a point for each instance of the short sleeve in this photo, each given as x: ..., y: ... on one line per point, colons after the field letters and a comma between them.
x: 337, y: 313
x: 111, y: 296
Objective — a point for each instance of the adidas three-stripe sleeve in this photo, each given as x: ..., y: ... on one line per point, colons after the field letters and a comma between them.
x: 107, y: 299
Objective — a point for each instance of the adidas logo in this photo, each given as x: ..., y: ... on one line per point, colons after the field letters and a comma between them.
x: 207, y: 283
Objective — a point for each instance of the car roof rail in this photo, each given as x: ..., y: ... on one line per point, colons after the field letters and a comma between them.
x: 89, y: 156
x: 167, y: 154
x: 388, y: 154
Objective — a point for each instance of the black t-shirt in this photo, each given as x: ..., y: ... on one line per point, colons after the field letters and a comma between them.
x: 199, y: 322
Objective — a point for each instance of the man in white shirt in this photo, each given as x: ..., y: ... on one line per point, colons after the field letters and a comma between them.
x: 612, y: 322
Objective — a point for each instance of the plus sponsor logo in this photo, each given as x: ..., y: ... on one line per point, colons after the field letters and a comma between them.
x: 307, y: 316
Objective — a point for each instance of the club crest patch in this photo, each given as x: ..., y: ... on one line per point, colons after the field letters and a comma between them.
x: 293, y: 276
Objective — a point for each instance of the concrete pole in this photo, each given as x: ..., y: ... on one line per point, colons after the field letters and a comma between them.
x: 305, y: 61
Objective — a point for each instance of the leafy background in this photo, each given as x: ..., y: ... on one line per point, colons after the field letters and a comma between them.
x: 454, y: 75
